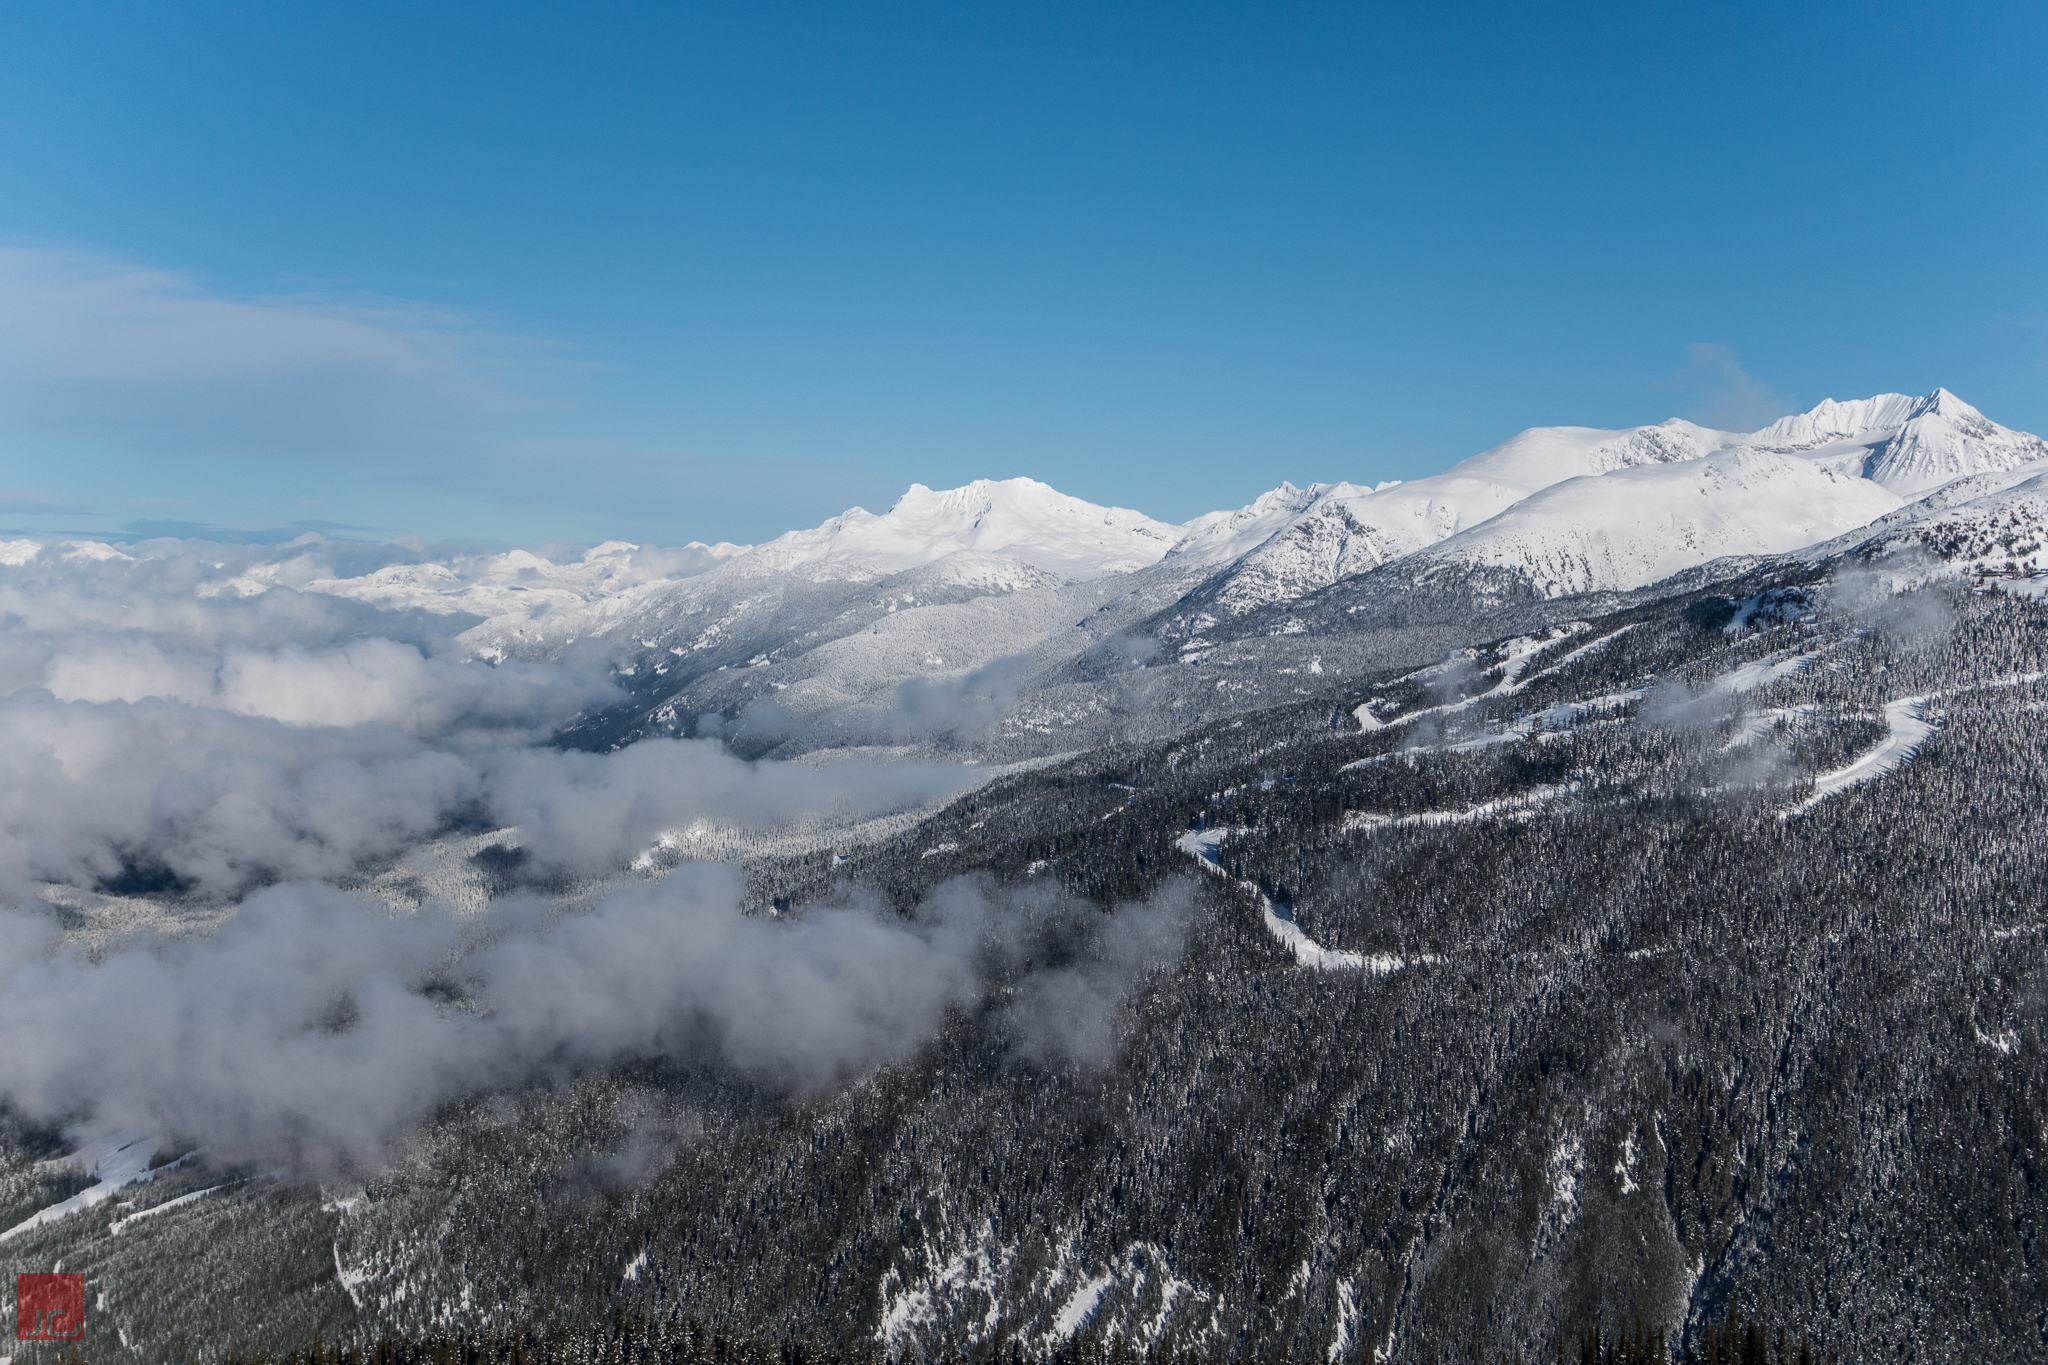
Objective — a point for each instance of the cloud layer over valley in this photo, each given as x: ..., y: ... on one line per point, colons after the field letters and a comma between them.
x: 316, y: 1024
x: 220, y: 742
x: 169, y: 735
x: 262, y: 742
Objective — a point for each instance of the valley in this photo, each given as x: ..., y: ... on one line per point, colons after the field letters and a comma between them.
x: 1596, y: 887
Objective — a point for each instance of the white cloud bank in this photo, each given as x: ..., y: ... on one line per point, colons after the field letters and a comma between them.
x: 315, y: 1026
x: 157, y: 727
x: 149, y: 719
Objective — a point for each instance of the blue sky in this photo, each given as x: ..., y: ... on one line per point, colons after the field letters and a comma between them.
x: 519, y: 272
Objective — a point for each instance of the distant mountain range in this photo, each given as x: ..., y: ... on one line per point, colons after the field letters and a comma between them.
x: 1571, y: 509
x: 804, y: 641
x: 1589, y: 895
x: 827, y: 621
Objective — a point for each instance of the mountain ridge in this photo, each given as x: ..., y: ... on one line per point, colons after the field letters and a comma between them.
x: 820, y: 632
x: 1436, y: 961
x: 1290, y: 540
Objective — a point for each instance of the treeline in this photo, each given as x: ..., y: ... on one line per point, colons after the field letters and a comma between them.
x: 1733, y: 1342
x: 640, y: 1341
x: 1652, y: 1044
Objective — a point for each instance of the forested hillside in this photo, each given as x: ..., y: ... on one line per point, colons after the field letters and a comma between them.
x: 1653, y: 966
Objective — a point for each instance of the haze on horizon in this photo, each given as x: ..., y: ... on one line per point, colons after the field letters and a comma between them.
x: 715, y: 273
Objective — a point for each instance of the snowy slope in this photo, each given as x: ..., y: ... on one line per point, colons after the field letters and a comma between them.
x: 1343, y: 529
x: 1986, y: 524
x: 782, y: 599
x: 1574, y: 509
x: 1017, y: 519
x: 1946, y: 439
x: 1912, y: 445
x: 518, y: 582
x: 1636, y: 526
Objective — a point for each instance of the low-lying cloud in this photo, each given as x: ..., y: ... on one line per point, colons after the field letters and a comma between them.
x: 180, y: 724
x: 1900, y: 595
x: 154, y: 722
x: 965, y: 705
x: 316, y: 1025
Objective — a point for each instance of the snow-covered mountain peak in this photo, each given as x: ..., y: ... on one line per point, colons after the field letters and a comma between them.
x: 1015, y: 507
x: 976, y: 499
x: 1020, y: 519
x: 518, y: 582
x: 1542, y: 456
x: 1799, y: 481
x: 1220, y: 537
x: 1829, y: 421
x: 1293, y: 541
x: 1581, y: 507
x: 1946, y: 404
x: 1946, y: 439
x: 1883, y: 418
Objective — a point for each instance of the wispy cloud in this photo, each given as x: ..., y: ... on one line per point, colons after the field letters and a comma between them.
x: 21, y: 502
x: 107, y: 354
x: 1723, y: 395
x: 92, y: 343
x: 153, y: 528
